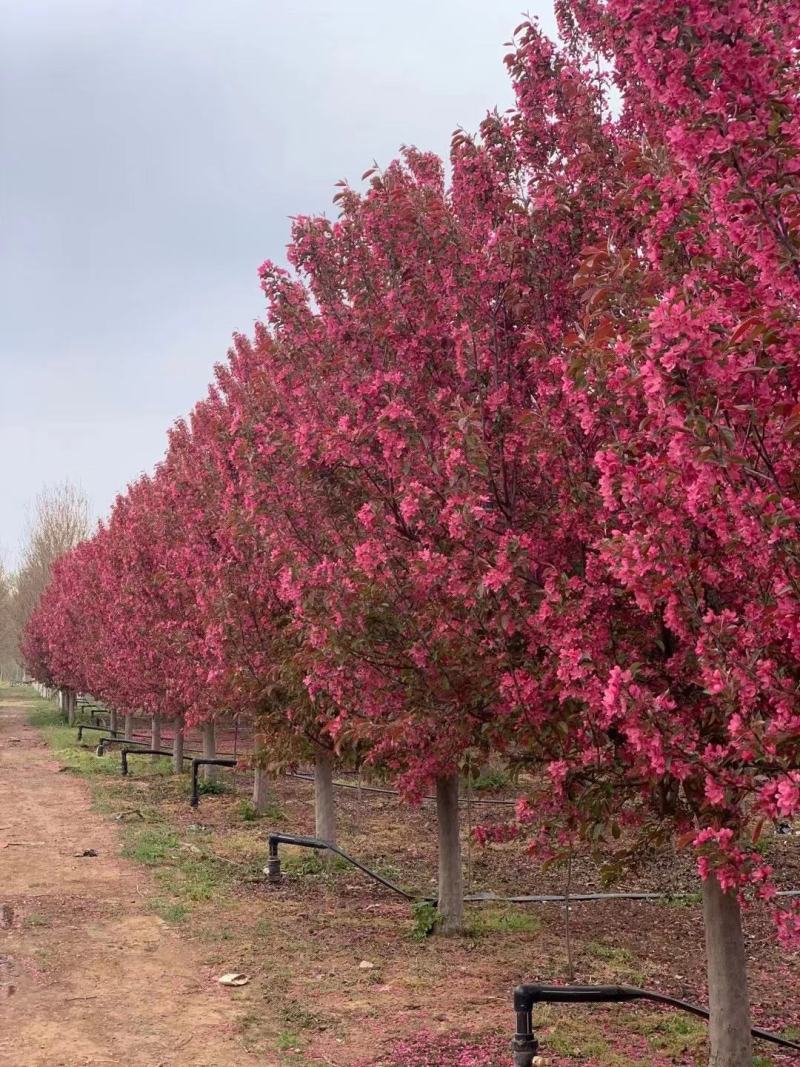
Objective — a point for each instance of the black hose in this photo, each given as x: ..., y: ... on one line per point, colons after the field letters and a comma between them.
x: 88, y: 726
x: 196, y: 764
x: 481, y: 898
x: 392, y: 792
x: 106, y: 741
x: 525, y: 996
x: 319, y: 845
x: 125, y: 752
x: 584, y: 898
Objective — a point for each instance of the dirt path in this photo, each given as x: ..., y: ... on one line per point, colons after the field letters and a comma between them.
x: 87, y: 974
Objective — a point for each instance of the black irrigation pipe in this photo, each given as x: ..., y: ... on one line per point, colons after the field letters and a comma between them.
x: 87, y: 726
x: 197, y: 763
x: 106, y: 741
x: 273, y: 872
x: 395, y: 792
x: 526, y: 1047
x: 579, y: 898
x: 125, y: 752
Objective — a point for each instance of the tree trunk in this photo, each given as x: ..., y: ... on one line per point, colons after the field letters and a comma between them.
x: 451, y: 891
x: 112, y: 720
x: 129, y: 728
x: 72, y: 704
x: 260, y: 790
x: 324, y: 802
x: 177, y: 747
x: 155, y: 733
x: 209, y: 751
x: 729, y: 1027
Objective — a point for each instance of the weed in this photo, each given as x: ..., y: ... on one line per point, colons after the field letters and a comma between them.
x: 683, y: 900
x: 305, y: 863
x: 490, y: 780
x: 426, y: 919
x: 213, y: 787
x: 171, y: 912
x: 674, y: 1034
x: 618, y: 957
x: 503, y: 921
x: 288, y: 1041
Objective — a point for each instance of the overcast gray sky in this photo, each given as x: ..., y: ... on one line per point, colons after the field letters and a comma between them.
x: 151, y: 153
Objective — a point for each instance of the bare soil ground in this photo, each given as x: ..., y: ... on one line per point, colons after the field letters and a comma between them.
x: 88, y: 973
x: 337, y: 975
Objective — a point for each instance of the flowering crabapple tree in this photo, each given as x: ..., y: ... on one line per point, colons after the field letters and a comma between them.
x: 664, y: 675
x: 251, y: 655
x: 417, y: 328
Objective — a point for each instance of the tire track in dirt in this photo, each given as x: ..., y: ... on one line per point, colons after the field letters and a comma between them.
x: 88, y: 976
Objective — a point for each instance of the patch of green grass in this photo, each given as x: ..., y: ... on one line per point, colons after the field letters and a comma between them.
x: 301, y: 863
x: 683, y: 900
x: 386, y: 869
x: 574, y: 1036
x: 185, y: 876
x: 493, y: 920
x: 247, y: 812
x: 674, y: 1033
x: 272, y: 811
x: 213, y: 787
x: 171, y: 912
x: 618, y: 957
x: 564, y: 1042
x: 202, y: 879
x: 289, y: 1041
x: 491, y: 779
x: 621, y: 962
x: 150, y: 845
x: 305, y: 863
x: 44, y: 714
x: 149, y: 766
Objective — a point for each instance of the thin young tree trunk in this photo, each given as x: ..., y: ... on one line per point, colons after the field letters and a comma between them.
x: 72, y: 704
x: 260, y: 790
x: 324, y: 802
x: 155, y: 733
x: 129, y: 728
x: 451, y: 891
x: 729, y: 1027
x: 112, y: 720
x: 177, y: 747
x: 209, y: 751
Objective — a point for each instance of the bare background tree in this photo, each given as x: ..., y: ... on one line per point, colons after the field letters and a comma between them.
x: 60, y: 520
x: 8, y: 644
